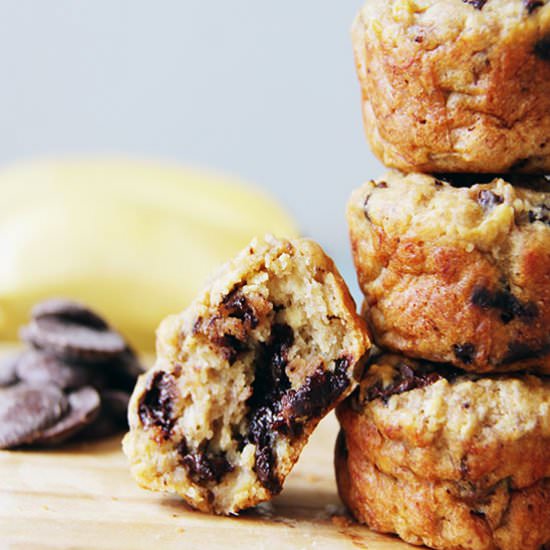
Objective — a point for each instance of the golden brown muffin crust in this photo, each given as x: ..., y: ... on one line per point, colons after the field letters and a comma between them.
x: 456, y: 274
x: 441, y: 514
x: 447, y: 459
x: 456, y: 86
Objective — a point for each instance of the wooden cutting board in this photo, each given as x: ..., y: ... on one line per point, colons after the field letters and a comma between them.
x: 82, y: 496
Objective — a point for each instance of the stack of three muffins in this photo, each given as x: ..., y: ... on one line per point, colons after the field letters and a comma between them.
x: 447, y: 441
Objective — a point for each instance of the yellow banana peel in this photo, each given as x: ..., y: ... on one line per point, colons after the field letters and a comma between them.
x: 134, y: 240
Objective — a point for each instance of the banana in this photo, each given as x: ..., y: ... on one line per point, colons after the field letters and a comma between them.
x: 134, y: 240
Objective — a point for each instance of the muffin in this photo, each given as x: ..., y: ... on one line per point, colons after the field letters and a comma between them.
x: 244, y: 375
x: 456, y: 85
x: 446, y: 458
x: 456, y: 274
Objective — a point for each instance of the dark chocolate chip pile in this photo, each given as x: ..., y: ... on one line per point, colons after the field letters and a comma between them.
x: 73, y: 380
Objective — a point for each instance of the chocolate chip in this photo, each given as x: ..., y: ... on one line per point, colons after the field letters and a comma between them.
x: 260, y: 433
x: 26, y: 410
x: 482, y: 297
x: 532, y: 5
x: 38, y: 367
x: 271, y: 379
x: 236, y: 305
x: 465, y: 352
x: 230, y: 347
x: 70, y: 311
x: 503, y: 300
x: 381, y: 185
x: 8, y: 369
x: 315, y: 396
x: 202, y: 465
x: 71, y: 341
x: 229, y: 328
x: 112, y: 417
x: 121, y: 371
x: 84, y: 405
x: 488, y: 200
x: 156, y: 407
x: 115, y: 404
x: 542, y: 48
x: 478, y: 4
x: 519, y: 351
x: 408, y: 379
x: 270, y: 383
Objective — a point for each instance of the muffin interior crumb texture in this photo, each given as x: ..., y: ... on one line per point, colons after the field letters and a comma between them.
x: 244, y: 375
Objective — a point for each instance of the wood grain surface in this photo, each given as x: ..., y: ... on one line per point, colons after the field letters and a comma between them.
x: 82, y: 496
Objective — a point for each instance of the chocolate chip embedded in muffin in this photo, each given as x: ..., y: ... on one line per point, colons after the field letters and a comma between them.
x: 533, y: 5
x: 509, y: 306
x: 202, y: 465
x: 244, y: 375
x: 156, y: 407
x: 465, y: 352
x: 478, y: 4
x: 488, y: 200
x: 539, y: 213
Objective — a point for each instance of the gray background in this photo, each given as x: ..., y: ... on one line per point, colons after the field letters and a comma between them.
x: 266, y: 91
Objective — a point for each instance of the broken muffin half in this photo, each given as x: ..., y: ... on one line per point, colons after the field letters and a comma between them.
x: 244, y: 375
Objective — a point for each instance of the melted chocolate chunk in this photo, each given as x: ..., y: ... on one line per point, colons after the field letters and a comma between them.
x: 260, y: 433
x: 230, y: 338
x: 230, y: 347
x: 156, y: 407
x: 542, y: 48
x: 271, y: 377
x: 409, y: 379
x: 319, y: 391
x: 465, y: 352
x: 478, y: 4
x: 270, y: 383
x: 488, y: 200
x: 504, y: 301
x: 236, y: 305
x: 202, y: 465
x: 532, y: 5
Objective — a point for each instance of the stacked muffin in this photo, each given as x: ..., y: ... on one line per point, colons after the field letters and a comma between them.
x: 447, y: 441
